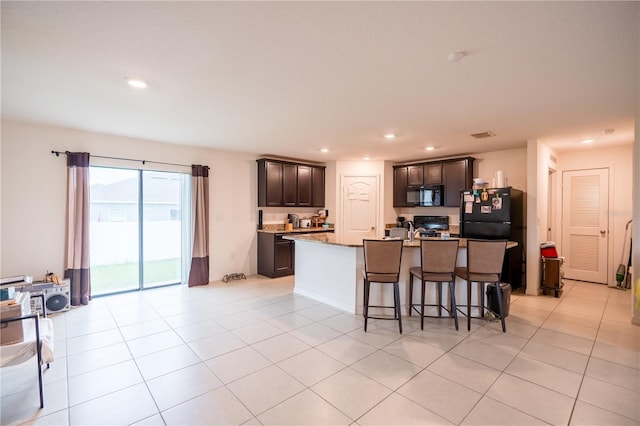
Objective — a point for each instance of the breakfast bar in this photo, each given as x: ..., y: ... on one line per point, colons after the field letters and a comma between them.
x: 329, y: 269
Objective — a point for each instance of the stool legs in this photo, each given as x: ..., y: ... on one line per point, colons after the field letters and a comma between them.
x: 396, y: 301
x: 481, y: 307
x: 468, y: 305
x: 397, y: 306
x: 452, y: 300
x: 365, y: 305
x: 410, y: 293
x: 453, y: 308
x: 499, y: 293
x: 422, y: 307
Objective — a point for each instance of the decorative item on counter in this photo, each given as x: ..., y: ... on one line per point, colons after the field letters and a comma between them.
x: 317, y: 220
x: 50, y: 277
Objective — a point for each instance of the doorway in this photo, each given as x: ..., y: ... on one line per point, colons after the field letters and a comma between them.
x: 585, y: 224
x: 360, y: 205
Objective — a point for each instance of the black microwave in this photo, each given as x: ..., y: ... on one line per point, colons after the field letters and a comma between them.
x: 425, y: 196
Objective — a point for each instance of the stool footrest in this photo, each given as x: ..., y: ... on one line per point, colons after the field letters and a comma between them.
x: 415, y: 308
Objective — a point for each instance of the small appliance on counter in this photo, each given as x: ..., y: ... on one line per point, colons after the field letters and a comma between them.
x: 294, y: 220
x: 396, y: 233
x: 305, y: 223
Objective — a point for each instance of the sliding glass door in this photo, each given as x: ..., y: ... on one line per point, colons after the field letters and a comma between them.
x: 138, y: 236
x: 161, y: 230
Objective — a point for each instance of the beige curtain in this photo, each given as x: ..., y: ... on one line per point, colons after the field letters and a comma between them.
x: 199, y: 272
x: 78, y: 227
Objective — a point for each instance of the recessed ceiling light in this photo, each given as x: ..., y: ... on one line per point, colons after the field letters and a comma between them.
x: 430, y: 148
x: 587, y: 141
x: 137, y: 83
x: 455, y: 56
x: 389, y: 135
x: 366, y: 158
x: 324, y: 149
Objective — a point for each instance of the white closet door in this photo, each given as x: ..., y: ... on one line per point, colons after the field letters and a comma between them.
x: 585, y: 224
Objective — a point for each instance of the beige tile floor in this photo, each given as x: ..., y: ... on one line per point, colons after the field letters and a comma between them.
x: 252, y: 352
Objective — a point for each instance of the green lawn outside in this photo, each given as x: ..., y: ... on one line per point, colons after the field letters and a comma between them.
x: 124, y: 276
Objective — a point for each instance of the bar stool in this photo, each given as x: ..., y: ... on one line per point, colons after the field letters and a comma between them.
x: 437, y: 265
x: 382, y: 265
x: 484, y: 266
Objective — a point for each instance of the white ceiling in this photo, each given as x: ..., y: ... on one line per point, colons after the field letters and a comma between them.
x: 287, y: 78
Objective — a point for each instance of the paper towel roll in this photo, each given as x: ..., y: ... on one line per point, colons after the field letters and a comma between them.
x: 500, y: 182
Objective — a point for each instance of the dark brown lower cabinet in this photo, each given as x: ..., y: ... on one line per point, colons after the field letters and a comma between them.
x: 276, y: 256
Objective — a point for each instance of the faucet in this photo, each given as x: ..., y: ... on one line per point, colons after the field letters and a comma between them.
x: 412, y: 231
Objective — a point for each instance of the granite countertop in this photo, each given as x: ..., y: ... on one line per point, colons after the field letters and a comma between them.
x: 356, y: 241
x: 318, y: 229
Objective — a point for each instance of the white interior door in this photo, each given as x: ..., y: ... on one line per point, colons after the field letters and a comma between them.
x: 585, y: 224
x: 359, y: 204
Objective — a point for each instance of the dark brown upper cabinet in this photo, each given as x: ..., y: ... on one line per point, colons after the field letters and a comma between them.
x: 286, y: 184
x: 400, y: 183
x: 433, y: 174
x: 457, y: 175
x: 269, y: 184
x: 454, y: 175
x: 305, y: 186
x: 415, y: 175
x: 289, y: 185
x: 317, y: 186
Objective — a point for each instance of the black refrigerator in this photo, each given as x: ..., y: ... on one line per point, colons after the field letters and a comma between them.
x: 497, y: 214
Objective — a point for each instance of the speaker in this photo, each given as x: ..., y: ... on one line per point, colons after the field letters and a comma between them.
x: 56, y: 299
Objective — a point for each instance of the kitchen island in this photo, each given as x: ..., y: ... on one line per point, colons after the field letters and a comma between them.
x: 329, y: 269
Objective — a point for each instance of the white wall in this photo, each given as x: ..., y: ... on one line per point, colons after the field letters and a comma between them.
x: 33, y: 197
x: 512, y: 161
x: 635, y: 296
x: 619, y: 161
x: 540, y: 160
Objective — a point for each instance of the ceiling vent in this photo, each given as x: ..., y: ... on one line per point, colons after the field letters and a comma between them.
x: 483, y: 135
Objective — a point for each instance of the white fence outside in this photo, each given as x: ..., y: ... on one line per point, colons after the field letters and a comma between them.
x: 117, y: 242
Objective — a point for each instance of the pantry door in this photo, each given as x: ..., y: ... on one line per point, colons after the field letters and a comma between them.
x: 360, y: 205
x: 585, y: 224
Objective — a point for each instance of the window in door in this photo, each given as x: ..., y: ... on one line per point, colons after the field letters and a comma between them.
x: 139, y: 238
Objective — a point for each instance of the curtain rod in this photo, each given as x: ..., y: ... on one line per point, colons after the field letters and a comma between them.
x: 57, y: 153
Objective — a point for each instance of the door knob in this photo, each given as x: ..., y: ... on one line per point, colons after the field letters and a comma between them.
x: 602, y: 231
